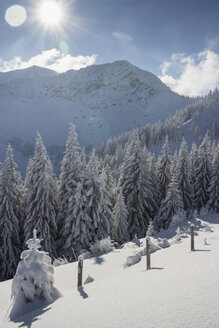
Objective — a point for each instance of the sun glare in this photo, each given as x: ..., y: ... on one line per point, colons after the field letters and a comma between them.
x: 50, y: 13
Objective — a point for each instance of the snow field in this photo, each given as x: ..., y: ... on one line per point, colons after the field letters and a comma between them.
x: 180, y: 290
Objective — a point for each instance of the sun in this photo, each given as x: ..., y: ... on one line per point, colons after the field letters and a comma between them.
x: 50, y: 13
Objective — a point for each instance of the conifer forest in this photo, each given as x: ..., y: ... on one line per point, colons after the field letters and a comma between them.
x: 119, y: 190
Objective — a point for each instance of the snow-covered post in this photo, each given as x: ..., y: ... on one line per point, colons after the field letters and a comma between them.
x: 148, y: 254
x: 192, y: 237
x: 80, y: 271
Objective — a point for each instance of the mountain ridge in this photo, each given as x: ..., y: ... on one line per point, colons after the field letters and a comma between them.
x: 101, y: 100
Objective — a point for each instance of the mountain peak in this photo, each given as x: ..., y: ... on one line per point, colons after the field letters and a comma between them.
x: 27, y: 73
x: 34, y: 71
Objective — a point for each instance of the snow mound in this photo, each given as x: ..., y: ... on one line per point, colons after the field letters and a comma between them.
x: 164, y: 243
x: 208, y: 229
x: 132, y: 260
x: 176, y: 240
x: 153, y: 249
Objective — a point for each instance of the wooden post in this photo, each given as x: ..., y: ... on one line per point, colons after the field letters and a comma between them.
x: 80, y: 271
x: 148, y: 255
x: 192, y: 237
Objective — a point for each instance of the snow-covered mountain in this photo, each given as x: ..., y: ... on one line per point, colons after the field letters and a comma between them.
x: 102, y: 101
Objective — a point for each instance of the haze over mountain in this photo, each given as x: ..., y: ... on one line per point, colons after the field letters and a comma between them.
x: 101, y: 100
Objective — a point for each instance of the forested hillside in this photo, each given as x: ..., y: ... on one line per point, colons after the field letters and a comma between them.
x: 137, y: 193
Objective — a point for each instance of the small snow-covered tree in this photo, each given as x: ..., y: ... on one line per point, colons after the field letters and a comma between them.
x: 33, y: 281
x: 120, y: 229
x: 151, y: 229
x: 213, y: 191
x: 11, y: 200
x: 41, y: 199
x: 170, y: 206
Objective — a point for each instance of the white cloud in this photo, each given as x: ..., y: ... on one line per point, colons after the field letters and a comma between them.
x: 122, y: 36
x: 52, y: 59
x: 191, y: 75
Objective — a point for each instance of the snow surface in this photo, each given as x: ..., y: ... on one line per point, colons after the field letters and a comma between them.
x: 180, y: 290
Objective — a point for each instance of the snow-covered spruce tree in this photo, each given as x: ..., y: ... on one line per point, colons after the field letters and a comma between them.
x: 74, y: 220
x: 88, y: 213
x: 41, y: 199
x: 83, y: 159
x: 163, y: 170
x: 120, y: 229
x: 77, y: 231
x: 183, y: 177
x: 202, y: 175
x: 69, y: 174
x: 213, y: 149
x: 111, y: 186
x: 135, y: 186
x: 11, y: 200
x: 174, y: 162
x: 153, y: 171
x: 26, y: 187
x: 149, y: 165
x: 106, y: 209
x: 94, y: 165
x: 95, y: 199
x: 33, y: 281
x: 193, y: 159
x: 213, y: 191
x: 170, y: 206
x: 28, y: 172
x: 21, y: 205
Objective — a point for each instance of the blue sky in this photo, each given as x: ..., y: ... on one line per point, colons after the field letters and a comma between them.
x: 168, y: 38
